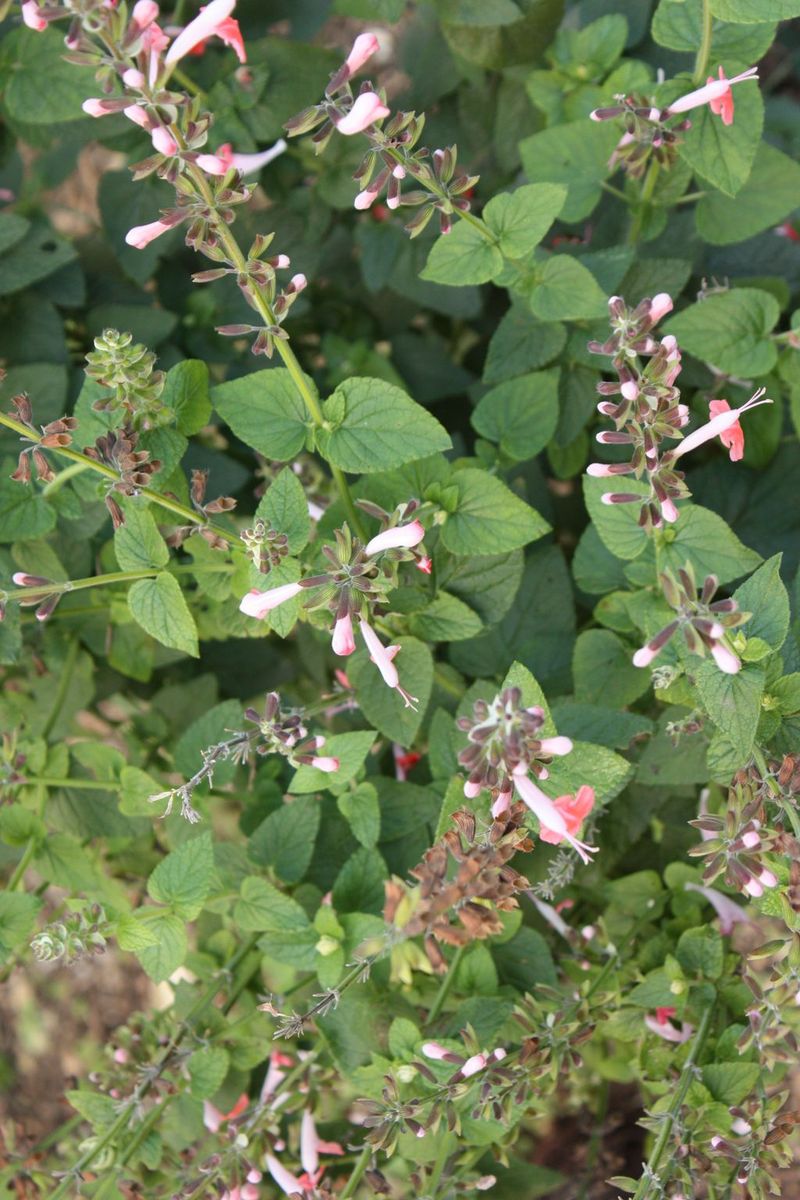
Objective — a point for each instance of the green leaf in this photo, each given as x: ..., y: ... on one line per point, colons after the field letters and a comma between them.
x: 17, y: 915
x: 678, y: 25
x: 383, y: 706
x: 163, y: 957
x: 207, y: 1069
x: 576, y: 155
x: 525, y: 961
x: 374, y: 426
x: 138, y: 544
x: 521, y: 343
x: 40, y: 87
x: 751, y: 11
x: 478, y: 12
x: 350, y: 748
x: 359, y: 884
x: 285, y: 840
x: 566, y: 290
x: 723, y: 155
x: 488, y: 517
x: 214, y: 725
x: 183, y: 879
x: 733, y: 702
x: 520, y: 219
x: 135, y: 931
x: 730, y: 330
x: 769, y: 196
x: 606, y: 771
x: 701, y: 951
x: 24, y: 513
x: 186, y: 393
x: 284, y: 508
x: 594, y: 723
x: 731, y: 1082
x: 765, y: 596
x: 266, y: 411
x: 603, y: 671
x: 159, y: 606
x: 362, y: 812
x: 521, y: 414
x: 445, y: 619
x: 13, y: 229
x: 42, y: 253
x: 463, y: 256
x: 289, y: 937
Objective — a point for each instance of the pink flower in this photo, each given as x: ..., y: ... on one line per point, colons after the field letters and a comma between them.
x: 721, y: 423
x: 139, y: 115
x: 732, y: 438
x: 257, y: 604
x: 556, y: 745
x: 725, y: 659
x: 473, y: 1065
x: 311, y: 1145
x: 133, y: 78
x: 365, y: 45
x: 142, y: 235
x: 144, y: 13
x: 368, y: 107
x: 248, y: 164
x: 275, y: 1073
x: 574, y: 809
x: 438, y: 1052
x: 660, y: 305
x: 667, y: 1030
x: 424, y: 564
x: 343, y: 641
x: 716, y: 94
x: 727, y: 910
x: 501, y: 804
x: 472, y: 789
x: 32, y: 16
x: 298, y: 283
x: 400, y: 536
x: 212, y: 164
x: 288, y: 1183
x: 382, y: 657
x: 163, y: 141
x: 325, y: 763
x: 555, y: 823
x: 214, y: 20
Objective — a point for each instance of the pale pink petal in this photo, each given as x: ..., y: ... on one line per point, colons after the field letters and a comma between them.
x: 205, y: 25
x: 288, y: 1183
x: 142, y: 235
x: 367, y: 108
x: 343, y: 641
x: 309, y: 1143
x: 400, y: 536
x: 365, y: 45
x: 258, y: 604
x: 379, y: 655
x: 32, y: 16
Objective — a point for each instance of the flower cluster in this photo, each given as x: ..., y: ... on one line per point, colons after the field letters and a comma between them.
x: 134, y: 468
x: 126, y: 369
x: 358, y: 582
x: 56, y: 434
x: 392, y: 157
x: 75, y: 936
x: 276, y: 732
x: 504, y: 747
x: 735, y: 844
x: 650, y: 135
x: 704, y: 621
x: 482, y: 885
x: 649, y: 410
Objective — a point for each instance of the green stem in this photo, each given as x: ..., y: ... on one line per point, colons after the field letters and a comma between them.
x: 445, y: 987
x: 704, y: 50
x: 64, y: 681
x: 357, y: 1173
x: 643, y: 1191
x: 90, y: 464
x: 761, y: 762
x: 439, y: 1165
x: 648, y: 187
x: 285, y: 351
x: 62, y: 477
x: 79, y: 585
x: 614, y: 191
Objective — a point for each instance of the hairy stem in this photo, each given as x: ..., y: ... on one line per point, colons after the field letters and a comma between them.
x: 79, y: 585
x: 648, y: 187
x: 445, y: 987
x: 356, y: 1175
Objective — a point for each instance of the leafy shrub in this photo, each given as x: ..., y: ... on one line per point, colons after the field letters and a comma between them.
x: 413, y: 733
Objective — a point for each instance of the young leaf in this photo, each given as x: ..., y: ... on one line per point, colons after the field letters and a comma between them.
x: 284, y: 508
x: 464, y: 256
x: 160, y: 608
x: 266, y: 411
x: 520, y: 219
x: 183, y: 879
x: 730, y: 330
x: 374, y: 426
x: 521, y: 414
x: 488, y: 517
x: 138, y: 544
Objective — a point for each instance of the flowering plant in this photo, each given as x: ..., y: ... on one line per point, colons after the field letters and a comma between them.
x: 429, y: 775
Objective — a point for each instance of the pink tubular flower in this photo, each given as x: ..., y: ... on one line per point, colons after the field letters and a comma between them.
x: 32, y: 16
x: 424, y: 564
x: 721, y: 423
x: 212, y: 164
x: 214, y: 20
x: 716, y: 94
x: 368, y: 107
x: 312, y: 1145
x: 327, y: 764
x: 144, y: 13
x: 163, y: 141
x: 343, y: 642
x: 382, y: 657
x: 473, y: 1065
x: 400, y: 536
x: 142, y: 235
x: 365, y: 45
x: 727, y: 910
x: 732, y: 438
x: 133, y: 78
x: 257, y: 604
x: 557, y: 746
x: 139, y: 115
x: 248, y: 164
x: 725, y: 659
x: 554, y: 822
x: 286, y: 1181
x: 660, y: 305
x: 101, y: 108
x: 667, y: 1030
x: 574, y: 809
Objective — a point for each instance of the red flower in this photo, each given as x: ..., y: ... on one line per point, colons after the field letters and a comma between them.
x: 733, y: 437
